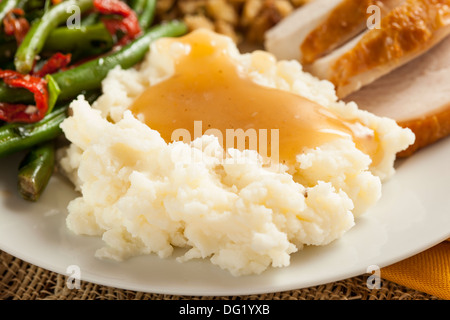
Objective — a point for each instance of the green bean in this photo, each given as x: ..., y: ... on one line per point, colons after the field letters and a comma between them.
x: 35, y: 171
x: 46, y: 5
x: 5, y: 7
x: 16, y: 137
x: 53, y: 92
x: 138, y: 6
x: 37, y: 35
x: 15, y: 95
x: 89, y: 75
x: 147, y: 15
x: 145, y: 10
x: 81, y: 42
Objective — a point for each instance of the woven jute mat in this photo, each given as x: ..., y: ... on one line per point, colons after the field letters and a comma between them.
x: 20, y: 280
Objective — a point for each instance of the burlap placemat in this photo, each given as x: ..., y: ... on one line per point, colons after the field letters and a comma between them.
x: 20, y: 280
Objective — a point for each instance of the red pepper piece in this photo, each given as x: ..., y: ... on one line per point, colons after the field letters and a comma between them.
x: 112, y: 7
x: 16, y: 26
x: 129, y: 24
x: 55, y: 63
x: 20, y: 112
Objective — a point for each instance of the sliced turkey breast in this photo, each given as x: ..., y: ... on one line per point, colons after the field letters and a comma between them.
x: 285, y: 38
x: 321, y: 26
x: 416, y: 95
x: 407, y: 32
x: 346, y: 20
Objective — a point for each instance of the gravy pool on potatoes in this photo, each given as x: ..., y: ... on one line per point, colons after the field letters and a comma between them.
x: 208, y: 86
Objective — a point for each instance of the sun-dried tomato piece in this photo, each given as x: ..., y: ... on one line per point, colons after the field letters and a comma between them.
x: 128, y: 24
x: 55, y: 63
x: 20, y: 112
x: 112, y: 7
x: 14, y: 24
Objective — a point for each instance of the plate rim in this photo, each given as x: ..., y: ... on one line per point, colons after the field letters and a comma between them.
x: 186, y: 291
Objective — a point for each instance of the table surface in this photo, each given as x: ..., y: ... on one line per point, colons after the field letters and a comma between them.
x: 20, y: 280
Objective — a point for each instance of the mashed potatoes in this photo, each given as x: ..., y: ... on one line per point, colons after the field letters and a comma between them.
x: 143, y: 195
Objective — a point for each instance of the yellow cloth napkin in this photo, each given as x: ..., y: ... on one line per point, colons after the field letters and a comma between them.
x: 428, y: 271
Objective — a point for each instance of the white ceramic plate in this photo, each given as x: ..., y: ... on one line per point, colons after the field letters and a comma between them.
x: 413, y: 215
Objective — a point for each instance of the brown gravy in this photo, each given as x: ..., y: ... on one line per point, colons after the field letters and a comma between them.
x: 208, y: 86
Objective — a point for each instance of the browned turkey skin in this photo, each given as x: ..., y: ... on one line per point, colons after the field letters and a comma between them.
x: 400, y: 70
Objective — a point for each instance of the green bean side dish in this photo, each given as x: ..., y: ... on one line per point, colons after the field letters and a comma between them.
x: 48, y: 58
